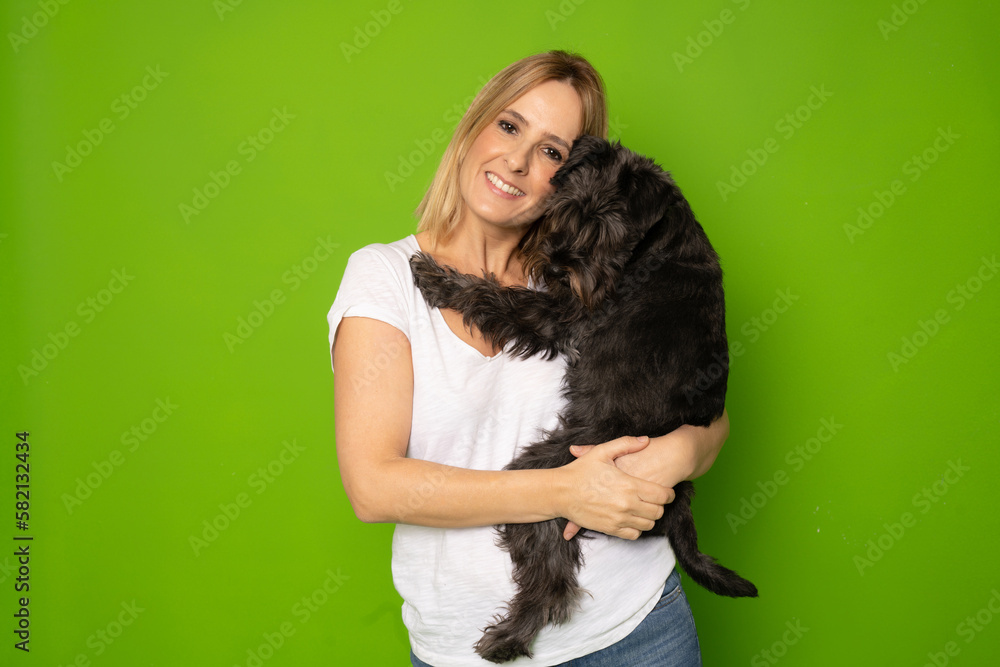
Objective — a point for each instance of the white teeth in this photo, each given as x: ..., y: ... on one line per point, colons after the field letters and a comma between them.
x: 509, y: 189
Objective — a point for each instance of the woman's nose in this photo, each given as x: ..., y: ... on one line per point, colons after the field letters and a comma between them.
x: 517, y: 160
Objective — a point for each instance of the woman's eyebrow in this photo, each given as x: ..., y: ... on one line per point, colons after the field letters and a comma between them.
x: 524, y: 121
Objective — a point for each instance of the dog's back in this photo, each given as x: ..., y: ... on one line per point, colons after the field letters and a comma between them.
x: 650, y: 335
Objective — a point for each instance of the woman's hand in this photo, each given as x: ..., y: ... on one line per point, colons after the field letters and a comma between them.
x: 597, y: 495
x: 685, y: 453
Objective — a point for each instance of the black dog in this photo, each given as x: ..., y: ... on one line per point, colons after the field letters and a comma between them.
x: 634, y: 298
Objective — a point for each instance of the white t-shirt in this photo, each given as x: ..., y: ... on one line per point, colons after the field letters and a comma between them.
x: 473, y: 411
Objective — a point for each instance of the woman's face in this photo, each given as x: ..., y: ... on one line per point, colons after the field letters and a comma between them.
x: 504, y: 179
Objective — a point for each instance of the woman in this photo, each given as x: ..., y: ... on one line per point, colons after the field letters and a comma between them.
x: 427, y: 412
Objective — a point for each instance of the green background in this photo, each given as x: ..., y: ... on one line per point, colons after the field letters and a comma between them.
x: 819, y: 308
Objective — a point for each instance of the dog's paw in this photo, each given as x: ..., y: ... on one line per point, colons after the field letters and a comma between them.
x: 425, y: 270
x: 499, y: 645
x: 434, y: 281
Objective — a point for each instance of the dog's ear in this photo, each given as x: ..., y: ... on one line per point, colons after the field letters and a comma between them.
x: 587, y: 149
x: 649, y: 189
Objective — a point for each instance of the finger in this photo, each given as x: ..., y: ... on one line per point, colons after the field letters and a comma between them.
x: 650, y: 512
x: 570, y: 531
x: 647, y: 525
x: 580, y: 450
x: 628, y: 533
x: 622, y: 446
x: 651, y: 492
x: 644, y: 519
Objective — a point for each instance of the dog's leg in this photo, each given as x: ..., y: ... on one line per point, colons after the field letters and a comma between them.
x: 544, y: 564
x: 529, y: 318
x: 545, y: 567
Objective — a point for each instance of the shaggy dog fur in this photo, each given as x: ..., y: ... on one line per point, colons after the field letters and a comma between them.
x: 634, y: 298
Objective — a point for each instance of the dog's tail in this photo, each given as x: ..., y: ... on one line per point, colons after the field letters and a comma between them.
x: 702, y: 568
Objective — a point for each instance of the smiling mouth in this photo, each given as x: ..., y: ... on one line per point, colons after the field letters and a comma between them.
x: 509, y: 189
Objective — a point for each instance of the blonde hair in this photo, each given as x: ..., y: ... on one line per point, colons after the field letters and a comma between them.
x: 442, y: 205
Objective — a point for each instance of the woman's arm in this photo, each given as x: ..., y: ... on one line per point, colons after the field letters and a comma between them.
x: 685, y: 453
x: 373, y: 407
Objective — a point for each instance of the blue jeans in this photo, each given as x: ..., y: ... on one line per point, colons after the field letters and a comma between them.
x: 665, y: 638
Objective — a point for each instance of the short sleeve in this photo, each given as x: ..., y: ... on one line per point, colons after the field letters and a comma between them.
x: 371, y: 287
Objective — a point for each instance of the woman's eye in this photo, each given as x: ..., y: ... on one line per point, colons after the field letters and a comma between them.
x: 554, y: 154
x: 507, y: 127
